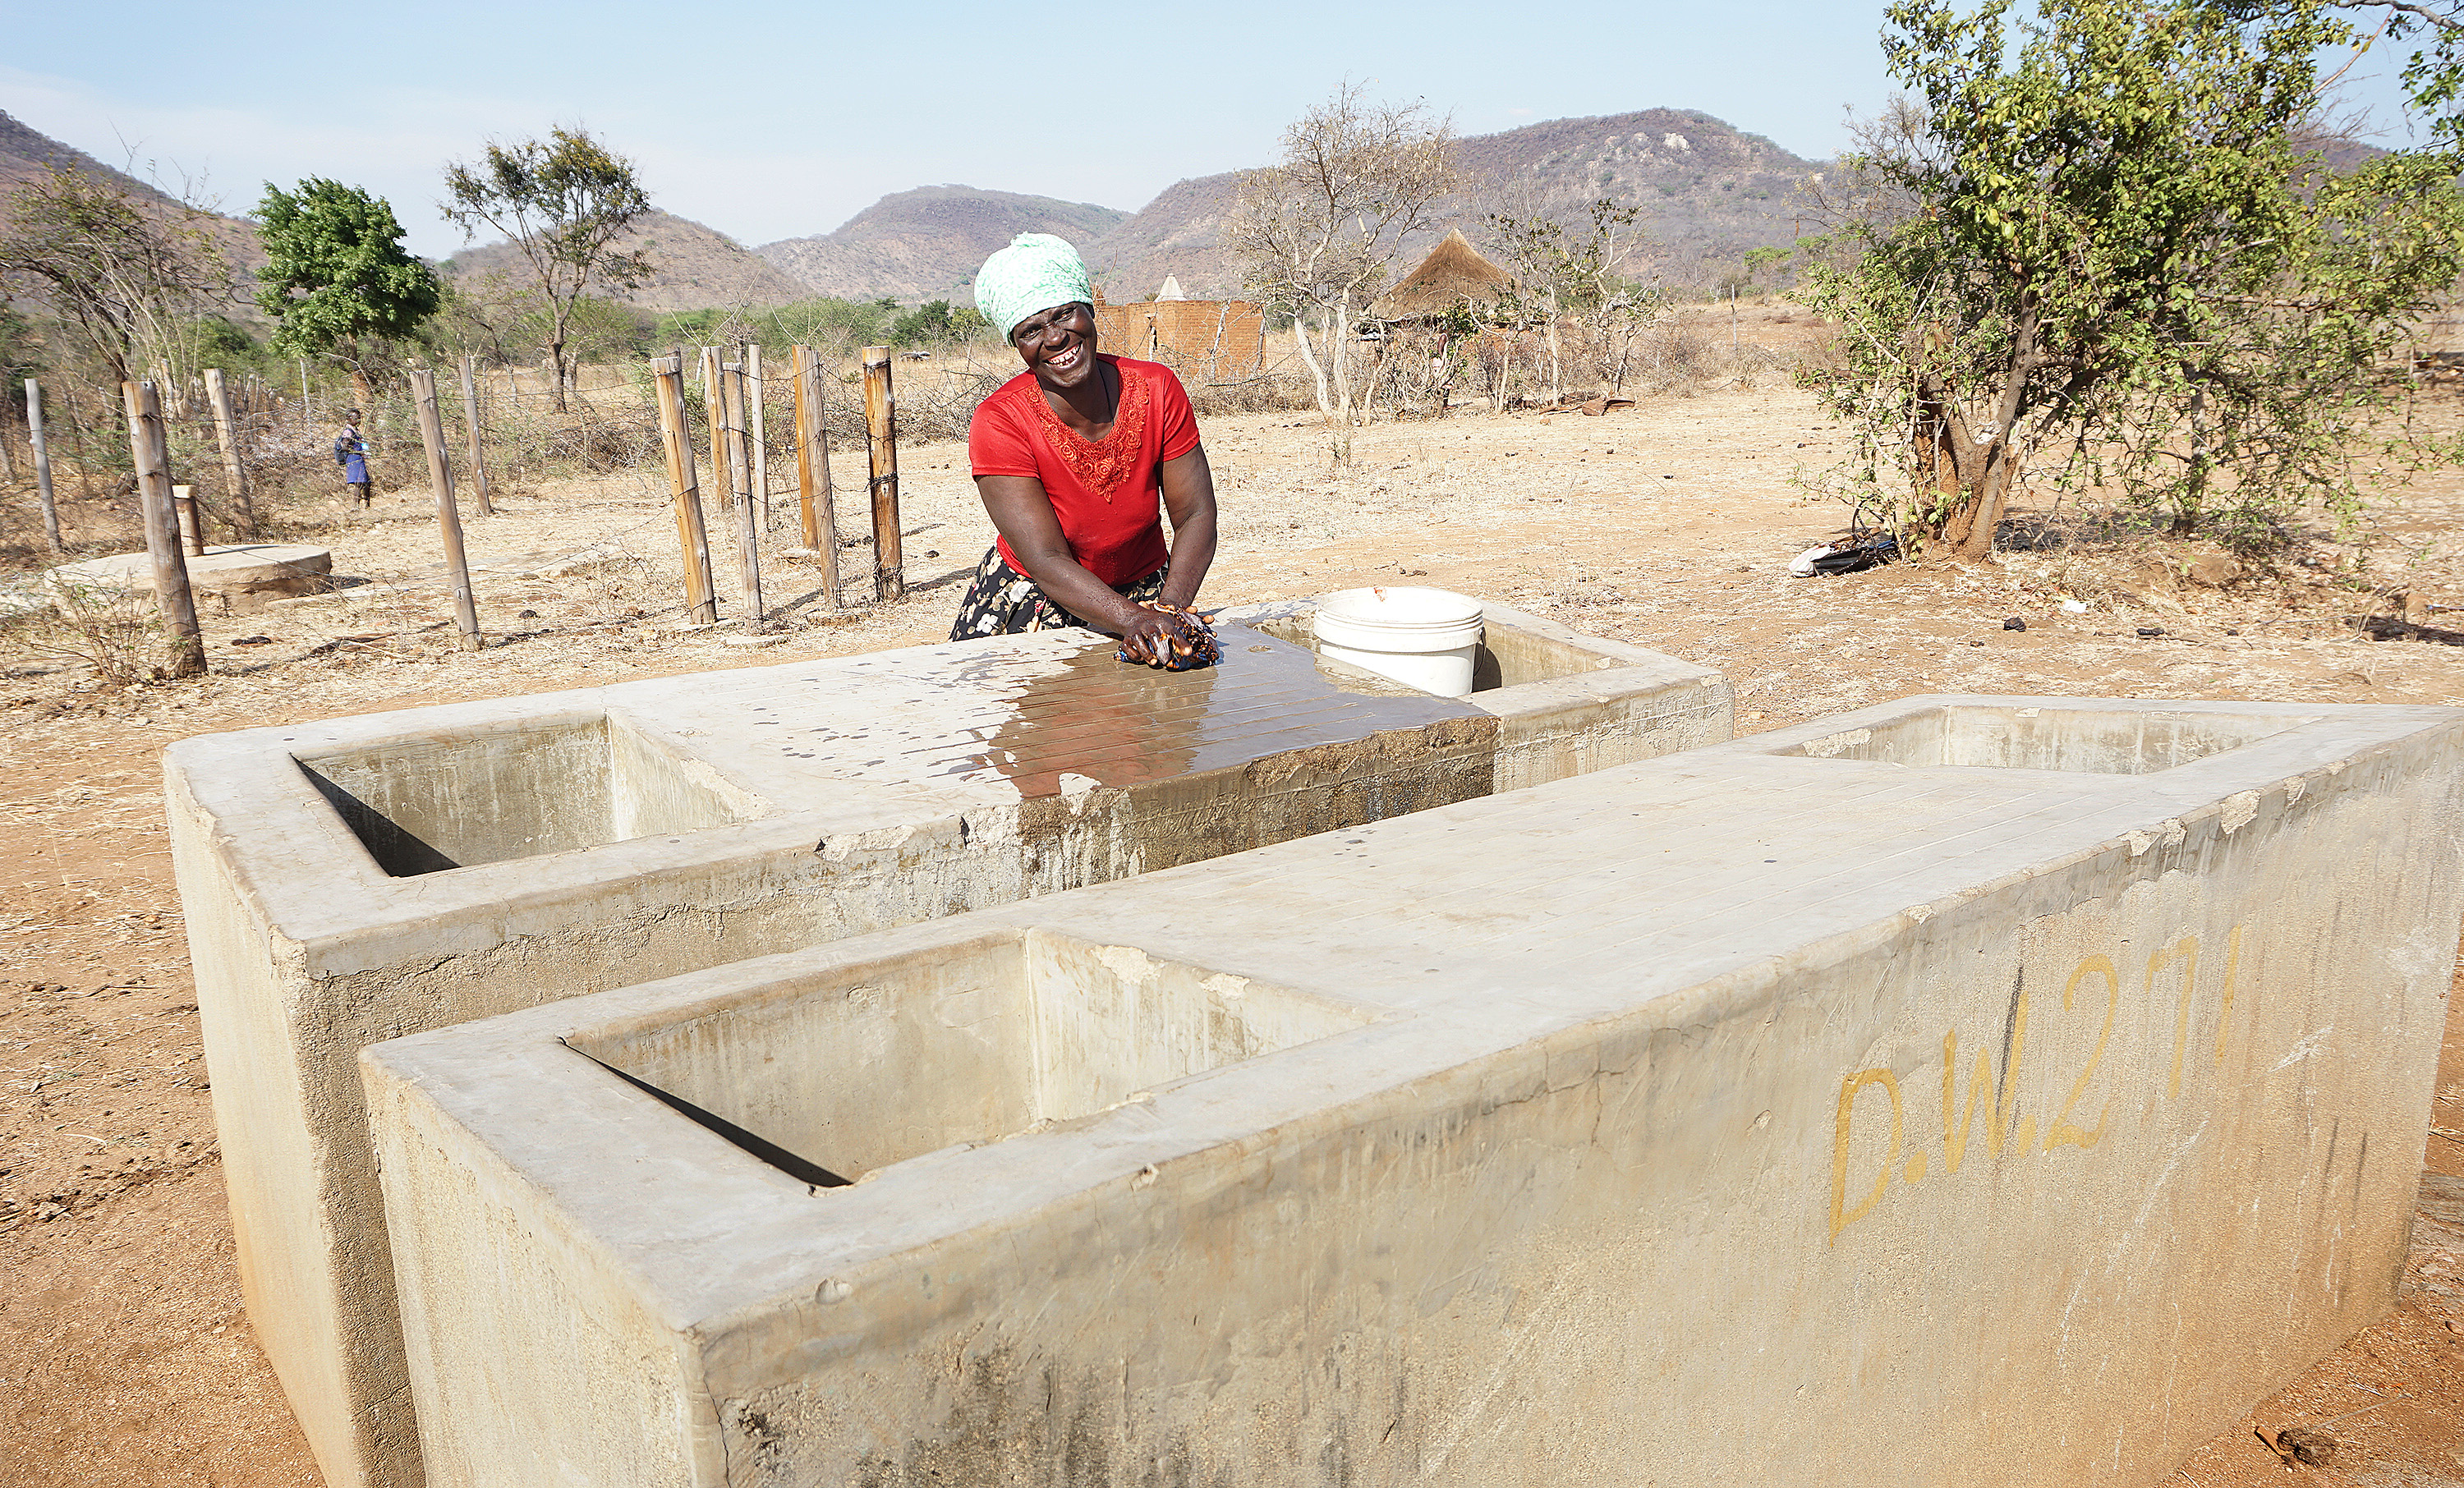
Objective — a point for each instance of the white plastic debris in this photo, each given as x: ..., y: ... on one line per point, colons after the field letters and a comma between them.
x: 1802, y: 565
x: 2074, y: 607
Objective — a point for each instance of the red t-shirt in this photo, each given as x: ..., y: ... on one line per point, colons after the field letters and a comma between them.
x: 1106, y: 493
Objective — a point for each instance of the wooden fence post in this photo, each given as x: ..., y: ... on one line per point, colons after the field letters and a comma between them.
x: 881, y: 424
x: 449, y: 520
x: 760, y: 391
x: 669, y: 373
x: 740, y: 473
x: 814, y: 497
x: 722, y: 468
x: 192, y: 518
x: 234, y: 473
x: 471, y: 425
x: 714, y: 407
x: 151, y: 448
x: 42, y: 466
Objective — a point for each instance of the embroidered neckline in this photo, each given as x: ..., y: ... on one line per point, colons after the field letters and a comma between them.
x: 1103, y: 466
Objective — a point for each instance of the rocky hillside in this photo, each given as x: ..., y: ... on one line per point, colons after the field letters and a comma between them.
x: 927, y: 244
x: 1707, y: 192
x: 1174, y: 234
x: 692, y: 268
x: 27, y: 153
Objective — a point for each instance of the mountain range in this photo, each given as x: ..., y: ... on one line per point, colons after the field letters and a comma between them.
x: 691, y: 266
x: 1706, y: 193
x: 927, y: 244
x: 27, y: 153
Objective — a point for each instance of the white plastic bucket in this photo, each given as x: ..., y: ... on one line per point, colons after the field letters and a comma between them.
x: 1421, y: 638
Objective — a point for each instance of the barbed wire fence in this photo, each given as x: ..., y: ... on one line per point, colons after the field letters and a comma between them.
x: 600, y: 455
x: 259, y: 466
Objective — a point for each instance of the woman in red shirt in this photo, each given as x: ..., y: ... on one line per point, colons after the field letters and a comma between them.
x: 1070, y: 457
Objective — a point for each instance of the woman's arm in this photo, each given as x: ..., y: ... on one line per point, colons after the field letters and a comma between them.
x: 1189, y: 496
x: 1024, y: 516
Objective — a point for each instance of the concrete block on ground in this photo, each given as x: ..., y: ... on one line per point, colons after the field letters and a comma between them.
x: 1810, y: 1109
x: 355, y: 880
x: 236, y: 578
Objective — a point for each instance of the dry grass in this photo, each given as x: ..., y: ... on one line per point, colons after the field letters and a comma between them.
x: 114, y: 631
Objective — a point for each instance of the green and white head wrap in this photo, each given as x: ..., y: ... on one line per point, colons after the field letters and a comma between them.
x: 1036, y: 273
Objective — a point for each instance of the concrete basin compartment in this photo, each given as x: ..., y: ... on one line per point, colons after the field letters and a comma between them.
x: 1731, y: 1118
x: 430, y: 803
x: 355, y: 880
x: 878, y: 1063
x: 2038, y: 733
x: 1567, y: 703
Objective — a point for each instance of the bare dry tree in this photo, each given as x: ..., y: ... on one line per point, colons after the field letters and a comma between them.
x: 125, y: 276
x: 1316, y: 235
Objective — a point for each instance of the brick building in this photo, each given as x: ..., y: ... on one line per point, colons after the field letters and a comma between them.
x: 1204, y: 341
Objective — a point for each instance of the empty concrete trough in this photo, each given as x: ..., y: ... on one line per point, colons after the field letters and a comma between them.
x: 1759, y: 1114
x: 359, y: 879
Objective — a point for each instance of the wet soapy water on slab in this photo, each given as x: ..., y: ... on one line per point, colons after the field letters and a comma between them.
x: 1041, y: 723
x: 1120, y: 724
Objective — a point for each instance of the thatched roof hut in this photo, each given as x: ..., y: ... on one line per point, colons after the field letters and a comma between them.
x: 1453, y: 271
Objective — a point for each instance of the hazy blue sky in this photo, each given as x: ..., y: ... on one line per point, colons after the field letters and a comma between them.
x: 776, y: 122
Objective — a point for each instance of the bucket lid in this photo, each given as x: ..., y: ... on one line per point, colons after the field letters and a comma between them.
x: 1407, y: 606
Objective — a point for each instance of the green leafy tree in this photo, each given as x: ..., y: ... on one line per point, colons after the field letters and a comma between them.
x: 565, y: 203
x: 600, y: 330
x: 1759, y: 261
x: 20, y: 357
x: 2433, y: 75
x: 936, y: 324
x: 337, y: 277
x: 2090, y: 234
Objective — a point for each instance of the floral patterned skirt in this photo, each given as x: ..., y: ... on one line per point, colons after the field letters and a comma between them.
x: 1003, y: 601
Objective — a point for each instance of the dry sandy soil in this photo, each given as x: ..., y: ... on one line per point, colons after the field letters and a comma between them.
x: 124, y: 1356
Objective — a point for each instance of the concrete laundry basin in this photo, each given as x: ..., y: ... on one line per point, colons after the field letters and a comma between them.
x: 355, y: 880
x: 1738, y: 1117
x: 458, y: 798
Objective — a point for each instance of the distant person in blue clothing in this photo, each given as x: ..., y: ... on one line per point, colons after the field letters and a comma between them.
x: 351, y: 454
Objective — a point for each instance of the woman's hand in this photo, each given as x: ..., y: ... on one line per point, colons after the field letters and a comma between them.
x: 1155, y: 637
x: 1185, y: 641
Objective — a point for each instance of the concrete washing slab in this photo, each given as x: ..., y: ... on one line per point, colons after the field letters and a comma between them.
x: 236, y: 577
x: 1864, y: 1103
x: 355, y: 880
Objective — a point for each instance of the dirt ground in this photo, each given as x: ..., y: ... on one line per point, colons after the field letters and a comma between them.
x: 124, y: 1356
